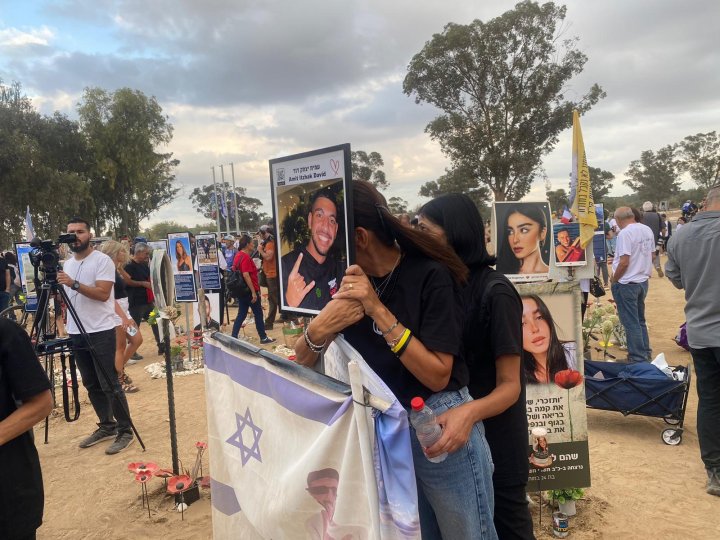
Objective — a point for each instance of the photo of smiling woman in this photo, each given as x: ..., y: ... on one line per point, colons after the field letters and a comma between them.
x: 544, y: 354
x: 522, y: 240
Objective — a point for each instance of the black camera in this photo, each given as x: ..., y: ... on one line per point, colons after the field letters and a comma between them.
x: 45, y: 256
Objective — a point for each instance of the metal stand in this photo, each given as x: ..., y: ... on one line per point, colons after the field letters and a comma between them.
x: 171, y: 398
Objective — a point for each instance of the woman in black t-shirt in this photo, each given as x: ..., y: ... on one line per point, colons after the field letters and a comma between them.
x: 399, y: 307
x: 492, y: 343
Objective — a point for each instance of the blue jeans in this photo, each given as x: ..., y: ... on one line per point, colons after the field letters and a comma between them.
x: 707, y: 370
x: 243, y: 305
x: 109, y: 409
x: 630, y: 301
x: 455, y: 497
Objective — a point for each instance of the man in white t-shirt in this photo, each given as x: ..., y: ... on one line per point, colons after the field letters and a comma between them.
x: 89, y: 278
x: 632, y: 268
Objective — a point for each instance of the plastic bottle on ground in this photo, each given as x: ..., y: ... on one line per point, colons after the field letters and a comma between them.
x: 427, y: 429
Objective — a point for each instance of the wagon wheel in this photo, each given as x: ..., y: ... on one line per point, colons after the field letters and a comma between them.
x: 671, y: 421
x: 673, y: 437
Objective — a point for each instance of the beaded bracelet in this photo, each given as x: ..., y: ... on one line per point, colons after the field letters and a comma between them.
x: 314, y: 348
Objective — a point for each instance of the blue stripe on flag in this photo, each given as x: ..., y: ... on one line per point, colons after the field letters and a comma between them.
x: 289, y: 395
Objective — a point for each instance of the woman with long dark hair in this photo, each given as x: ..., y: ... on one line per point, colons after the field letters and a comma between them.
x: 184, y: 262
x: 399, y: 306
x: 543, y: 352
x: 522, y: 240
x: 492, y: 343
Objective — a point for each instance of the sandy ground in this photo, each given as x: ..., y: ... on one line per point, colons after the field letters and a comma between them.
x: 641, y: 488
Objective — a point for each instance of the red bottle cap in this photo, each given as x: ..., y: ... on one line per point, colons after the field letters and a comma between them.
x: 417, y: 403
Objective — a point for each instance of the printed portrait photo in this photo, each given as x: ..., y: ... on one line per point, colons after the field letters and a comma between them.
x: 568, y: 251
x: 522, y: 239
x: 180, y: 255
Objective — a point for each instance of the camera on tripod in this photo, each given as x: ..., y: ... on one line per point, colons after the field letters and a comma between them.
x: 45, y: 256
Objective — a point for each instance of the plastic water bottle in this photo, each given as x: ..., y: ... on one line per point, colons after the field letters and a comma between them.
x: 427, y: 429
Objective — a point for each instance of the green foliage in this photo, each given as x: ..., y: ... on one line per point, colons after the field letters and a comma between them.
x: 397, y: 205
x: 457, y: 180
x: 654, y: 177
x: 500, y: 85
x: 557, y: 198
x: 564, y: 495
x: 367, y: 167
x: 203, y: 200
x: 43, y: 164
x: 601, y: 182
x: 699, y: 155
x: 130, y: 178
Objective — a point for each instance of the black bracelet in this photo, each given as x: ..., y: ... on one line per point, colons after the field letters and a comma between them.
x: 405, y: 346
x: 314, y: 348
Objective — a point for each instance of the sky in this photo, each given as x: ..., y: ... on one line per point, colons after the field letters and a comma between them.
x: 245, y: 81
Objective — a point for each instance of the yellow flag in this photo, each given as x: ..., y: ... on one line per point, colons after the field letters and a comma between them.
x: 583, y: 207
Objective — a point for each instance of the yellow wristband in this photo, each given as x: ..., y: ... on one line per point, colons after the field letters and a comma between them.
x: 406, y: 335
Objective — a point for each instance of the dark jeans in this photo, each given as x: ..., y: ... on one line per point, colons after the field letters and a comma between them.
x: 630, y: 302
x: 273, y: 299
x: 141, y: 313
x: 602, y: 267
x: 512, y: 515
x: 707, y: 370
x: 107, y: 397
x: 4, y: 300
x: 243, y: 305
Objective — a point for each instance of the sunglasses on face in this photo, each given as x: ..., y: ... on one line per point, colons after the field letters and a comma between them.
x: 321, y: 490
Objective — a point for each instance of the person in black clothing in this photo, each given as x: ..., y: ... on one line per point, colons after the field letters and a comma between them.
x: 137, y: 281
x: 653, y: 220
x: 5, y: 282
x: 311, y: 274
x: 408, y: 328
x: 25, y: 399
x: 492, y: 340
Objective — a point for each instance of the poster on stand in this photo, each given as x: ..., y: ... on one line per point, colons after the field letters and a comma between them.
x: 555, y: 393
x: 522, y: 238
x: 211, y: 304
x: 566, y: 241
x: 182, y: 267
x: 207, y: 261
x: 311, y: 198
x: 27, y: 275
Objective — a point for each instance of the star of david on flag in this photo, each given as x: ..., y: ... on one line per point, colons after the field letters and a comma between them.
x: 237, y: 439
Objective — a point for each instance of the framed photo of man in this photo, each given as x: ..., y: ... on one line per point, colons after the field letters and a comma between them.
x: 311, y: 203
x: 522, y: 238
x: 568, y: 251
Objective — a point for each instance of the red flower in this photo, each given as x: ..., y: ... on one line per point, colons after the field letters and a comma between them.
x: 163, y: 473
x: 200, y: 445
x: 178, y: 484
x: 143, y: 476
x: 140, y: 466
x: 568, y: 378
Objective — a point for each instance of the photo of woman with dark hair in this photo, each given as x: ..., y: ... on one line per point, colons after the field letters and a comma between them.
x: 522, y: 238
x: 543, y: 352
x: 184, y: 262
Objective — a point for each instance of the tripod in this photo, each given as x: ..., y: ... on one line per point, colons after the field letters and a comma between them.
x: 47, y: 345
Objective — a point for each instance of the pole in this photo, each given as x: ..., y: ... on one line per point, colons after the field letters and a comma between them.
x: 217, y: 206
x: 227, y: 214
x: 188, y: 332
x: 171, y: 397
x: 235, y: 201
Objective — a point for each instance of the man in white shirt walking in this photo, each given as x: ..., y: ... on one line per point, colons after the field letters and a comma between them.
x: 89, y: 277
x: 632, y: 268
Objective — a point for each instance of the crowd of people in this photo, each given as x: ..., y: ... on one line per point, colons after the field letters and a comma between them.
x: 424, y: 305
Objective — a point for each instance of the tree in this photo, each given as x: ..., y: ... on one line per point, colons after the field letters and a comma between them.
x: 397, y: 205
x: 130, y: 178
x: 557, y: 199
x: 601, y: 183
x: 368, y: 167
x: 700, y: 156
x: 203, y: 200
x: 654, y: 177
x: 457, y: 180
x: 501, y: 86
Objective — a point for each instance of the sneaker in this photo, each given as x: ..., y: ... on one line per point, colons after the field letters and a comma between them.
x: 136, y: 357
x: 713, y: 483
x: 267, y: 340
x: 132, y: 361
x: 99, y: 435
x: 122, y: 441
